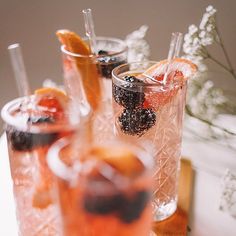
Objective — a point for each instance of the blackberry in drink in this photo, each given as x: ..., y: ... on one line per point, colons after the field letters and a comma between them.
x: 105, y: 190
x: 149, y: 111
x: 32, y: 124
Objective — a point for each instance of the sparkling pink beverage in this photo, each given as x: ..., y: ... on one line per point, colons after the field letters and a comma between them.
x: 112, y: 52
x: 32, y: 125
x: 104, y: 190
x: 151, y: 112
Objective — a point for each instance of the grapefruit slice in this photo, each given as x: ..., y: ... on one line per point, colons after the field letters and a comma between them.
x: 120, y: 158
x: 73, y: 42
x: 87, y: 69
x: 179, y: 70
x: 52, y: 98
x: 186, y: 67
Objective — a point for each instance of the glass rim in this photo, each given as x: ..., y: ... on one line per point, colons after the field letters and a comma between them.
x: 148, y: 84
x: 66, y: 173
x: 9, y: 119
x: 120, y: 41
x: 116, y: 76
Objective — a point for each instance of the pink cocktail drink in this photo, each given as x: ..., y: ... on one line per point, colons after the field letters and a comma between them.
x: 104, y: 190
x: 151, y: 112
x: 32, y: 124
x: 81, y: 71
x: 112, y: 52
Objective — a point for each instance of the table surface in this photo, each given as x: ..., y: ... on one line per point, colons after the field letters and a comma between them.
x: 205, y: 217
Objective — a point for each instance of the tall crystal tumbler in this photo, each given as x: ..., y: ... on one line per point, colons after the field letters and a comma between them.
x: 98, y: 193
x: 151, y: 112
x: 77, y: 68
x: 112, y: 52
x: 30, y: 130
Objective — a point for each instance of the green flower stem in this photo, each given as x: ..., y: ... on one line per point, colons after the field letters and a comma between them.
x: 231, y: 70
x: 222, y: 65
x: 190, y: 113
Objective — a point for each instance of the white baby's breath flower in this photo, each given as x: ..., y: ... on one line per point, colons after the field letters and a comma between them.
x: 195, y: 52
x: 192, y: 29
x: 197, y: 39
x: 209, y: 8
x: 208, y: 17
x: 138, y: 47
x: 204, y: 100
x: 207, y: 41
x: 208, y: 26
x: 203, y: 97
x: 204, y: 21
x: 202, y: 34
x: 193, y: 43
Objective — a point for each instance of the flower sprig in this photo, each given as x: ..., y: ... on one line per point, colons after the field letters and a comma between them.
x: 198, y: 38
x: 139, y: 49
x: 205, y: 101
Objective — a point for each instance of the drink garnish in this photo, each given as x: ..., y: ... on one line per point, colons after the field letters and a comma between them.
x: 141, y: 103
x: 127, y: 204
x: 120, y: 159
x: 85, y: 65
x: 129, y: 95
x: 52, y: 98
x: 137, y: 121
x: 179, y: 70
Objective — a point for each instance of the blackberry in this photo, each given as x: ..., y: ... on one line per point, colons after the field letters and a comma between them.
x: 102, y: 52
x: 107, y: 63
x: 134, y: 207
x: 125, y: 207
x: 103, y: 204
x: 26, y: 141
x: 137, y: 121
x: 124, y: 95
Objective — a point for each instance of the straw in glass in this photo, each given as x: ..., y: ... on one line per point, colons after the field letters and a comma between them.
x: 178, y: 45
x: 19, y: 69
x: 174, y: 51
x: 89, y: 28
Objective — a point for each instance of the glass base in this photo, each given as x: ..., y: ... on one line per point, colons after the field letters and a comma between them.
x: 164, y: 211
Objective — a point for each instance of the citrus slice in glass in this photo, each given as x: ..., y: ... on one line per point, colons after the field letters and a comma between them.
x: 120, y: 158
x: 52, y: 98
x: 79, y: 52
x: 179, y: 71
x: 53, y: 103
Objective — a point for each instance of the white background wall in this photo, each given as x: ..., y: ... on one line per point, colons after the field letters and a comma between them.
x: 33, y: 24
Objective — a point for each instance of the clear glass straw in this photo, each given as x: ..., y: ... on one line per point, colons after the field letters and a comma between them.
x: 178, y: 45
x: 19, y: 69
x: 171, y: 54
x: 89, y: 28
x: 174, y: 51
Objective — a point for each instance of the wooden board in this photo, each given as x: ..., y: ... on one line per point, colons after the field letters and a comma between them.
x: 177, y: 225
